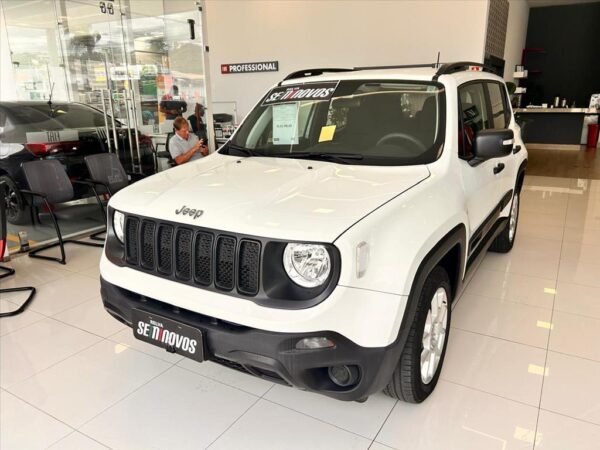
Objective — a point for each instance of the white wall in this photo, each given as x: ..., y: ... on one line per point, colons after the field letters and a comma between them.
x: 516, y: 34
x: 342, y: 33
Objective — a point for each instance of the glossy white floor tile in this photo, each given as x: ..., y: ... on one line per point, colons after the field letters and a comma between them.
x: 225, y: 375
x: 527, y: 229
x: 267, y: 426
x: 77, y: 441
x: 377, y: 446
x: 522, y: 365
x: 577, y: 272
x: 557, y: 432
x: 38, y: 346
x: 575, y: 335
x: 459, y: 418
x: 514, y: 287
x: 81, y: 387
x: 10, y: 324
x: 578, y: 299
x: 571, y: 387
x: 503, y: 319
x: 92, y: 317
x: 64, y: 293
x: 24, y: 427
x: 531, y: 265
x: 125, y: 337
x: 79, y: 257
x: 31, y: 272
x: 360, y: 418
x: 496, y: 366
x: 177, y: 410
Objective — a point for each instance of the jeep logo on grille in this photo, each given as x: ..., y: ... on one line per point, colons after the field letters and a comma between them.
x: 195, y: 213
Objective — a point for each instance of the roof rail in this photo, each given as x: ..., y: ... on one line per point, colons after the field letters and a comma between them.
x: 449, y: 68
x: 443, y: 69
x: 406, y: 66
x: 314, y: 72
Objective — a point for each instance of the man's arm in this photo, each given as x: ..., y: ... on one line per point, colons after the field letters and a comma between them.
x: 185, y: 157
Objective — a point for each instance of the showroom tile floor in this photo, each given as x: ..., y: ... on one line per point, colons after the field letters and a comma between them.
x: 522, y: 367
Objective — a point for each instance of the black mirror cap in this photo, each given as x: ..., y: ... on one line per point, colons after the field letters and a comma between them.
x: 493, y: 143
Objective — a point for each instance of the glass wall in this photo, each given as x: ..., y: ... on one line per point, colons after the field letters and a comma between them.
x: 139, y: 63
x: 140, y: 53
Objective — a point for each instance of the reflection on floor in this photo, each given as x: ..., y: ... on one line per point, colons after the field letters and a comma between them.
x: 89, y: 219
x: 549, y: 162
x: 522, y: 367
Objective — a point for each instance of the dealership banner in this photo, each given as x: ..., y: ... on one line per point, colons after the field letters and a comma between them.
x: 267, y: 66
x: 301, y: 92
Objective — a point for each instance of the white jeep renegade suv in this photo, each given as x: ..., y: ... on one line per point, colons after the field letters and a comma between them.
x: 323, y: 244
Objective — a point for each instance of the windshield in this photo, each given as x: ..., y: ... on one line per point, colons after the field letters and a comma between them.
x: 24, y: 118
x: 359, y: 122
x: 58, y: 117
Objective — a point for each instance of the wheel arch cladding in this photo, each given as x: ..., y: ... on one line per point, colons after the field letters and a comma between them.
x: 448, y: 251
x: 521, y: 175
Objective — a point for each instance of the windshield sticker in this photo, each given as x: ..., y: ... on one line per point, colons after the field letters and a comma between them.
x: 327, y: 133
x: 285, y: 124
x: 304, y: 92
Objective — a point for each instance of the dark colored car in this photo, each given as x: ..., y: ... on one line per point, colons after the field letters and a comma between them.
x: 64, y: 131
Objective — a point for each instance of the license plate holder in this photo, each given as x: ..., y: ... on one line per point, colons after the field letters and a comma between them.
x: 173, y: 336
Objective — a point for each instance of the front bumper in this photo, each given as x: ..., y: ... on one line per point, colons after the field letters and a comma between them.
x: 270, y: 355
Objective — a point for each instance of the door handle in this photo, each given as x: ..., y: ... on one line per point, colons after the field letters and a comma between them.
x: 499, y: 168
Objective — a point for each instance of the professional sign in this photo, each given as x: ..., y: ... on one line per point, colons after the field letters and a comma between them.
x: 268, y: 66
x: 302, y: 92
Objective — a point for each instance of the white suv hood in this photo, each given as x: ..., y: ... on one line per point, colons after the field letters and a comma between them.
x: 272, y: 197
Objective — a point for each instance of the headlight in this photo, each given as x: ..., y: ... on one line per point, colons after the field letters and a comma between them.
x: 308, y: 265
x: 119, y: 225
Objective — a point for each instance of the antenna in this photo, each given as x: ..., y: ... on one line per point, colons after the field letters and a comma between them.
x: 437, y: 64
x: 51, y: 88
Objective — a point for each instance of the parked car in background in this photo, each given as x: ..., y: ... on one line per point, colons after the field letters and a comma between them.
x: 64, y: 131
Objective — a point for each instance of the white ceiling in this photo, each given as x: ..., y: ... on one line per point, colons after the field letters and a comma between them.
x: 540, y: 3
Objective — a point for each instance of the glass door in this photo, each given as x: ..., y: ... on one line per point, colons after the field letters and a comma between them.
x: 95, y: 48
x: 165, y: 57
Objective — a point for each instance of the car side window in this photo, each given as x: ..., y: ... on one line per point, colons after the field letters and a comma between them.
x: 473, y: 116
x: 499, y: 109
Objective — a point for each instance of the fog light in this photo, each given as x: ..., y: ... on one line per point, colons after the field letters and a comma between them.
x: 343, y: 376
x: 314, y: 342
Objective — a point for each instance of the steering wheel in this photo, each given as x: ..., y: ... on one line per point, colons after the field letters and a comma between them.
x: 404, y: 137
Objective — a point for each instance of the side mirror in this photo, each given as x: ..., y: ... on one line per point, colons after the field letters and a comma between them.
x: 493, y: 143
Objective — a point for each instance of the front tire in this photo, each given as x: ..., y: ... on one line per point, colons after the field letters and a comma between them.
x: 421, y: 360
x: 504, y: 241
x: 17, y: 211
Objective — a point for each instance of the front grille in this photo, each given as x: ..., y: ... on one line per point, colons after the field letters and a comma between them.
x: 193, y: 256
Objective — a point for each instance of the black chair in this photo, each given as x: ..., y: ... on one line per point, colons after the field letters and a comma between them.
x: 107, y: 176
x: 50, y: 185
x: 165, y: 153
x: 8, y: 271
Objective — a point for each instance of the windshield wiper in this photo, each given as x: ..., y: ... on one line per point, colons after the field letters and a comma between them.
x: 244, y: 150
x: 341, y: 158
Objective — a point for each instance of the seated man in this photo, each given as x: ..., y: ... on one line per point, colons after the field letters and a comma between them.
x: 185, y: 146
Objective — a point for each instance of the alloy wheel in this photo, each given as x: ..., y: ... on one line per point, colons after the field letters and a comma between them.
x: 434, y: 335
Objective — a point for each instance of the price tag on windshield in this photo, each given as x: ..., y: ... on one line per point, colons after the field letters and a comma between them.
x: 302, y: 92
